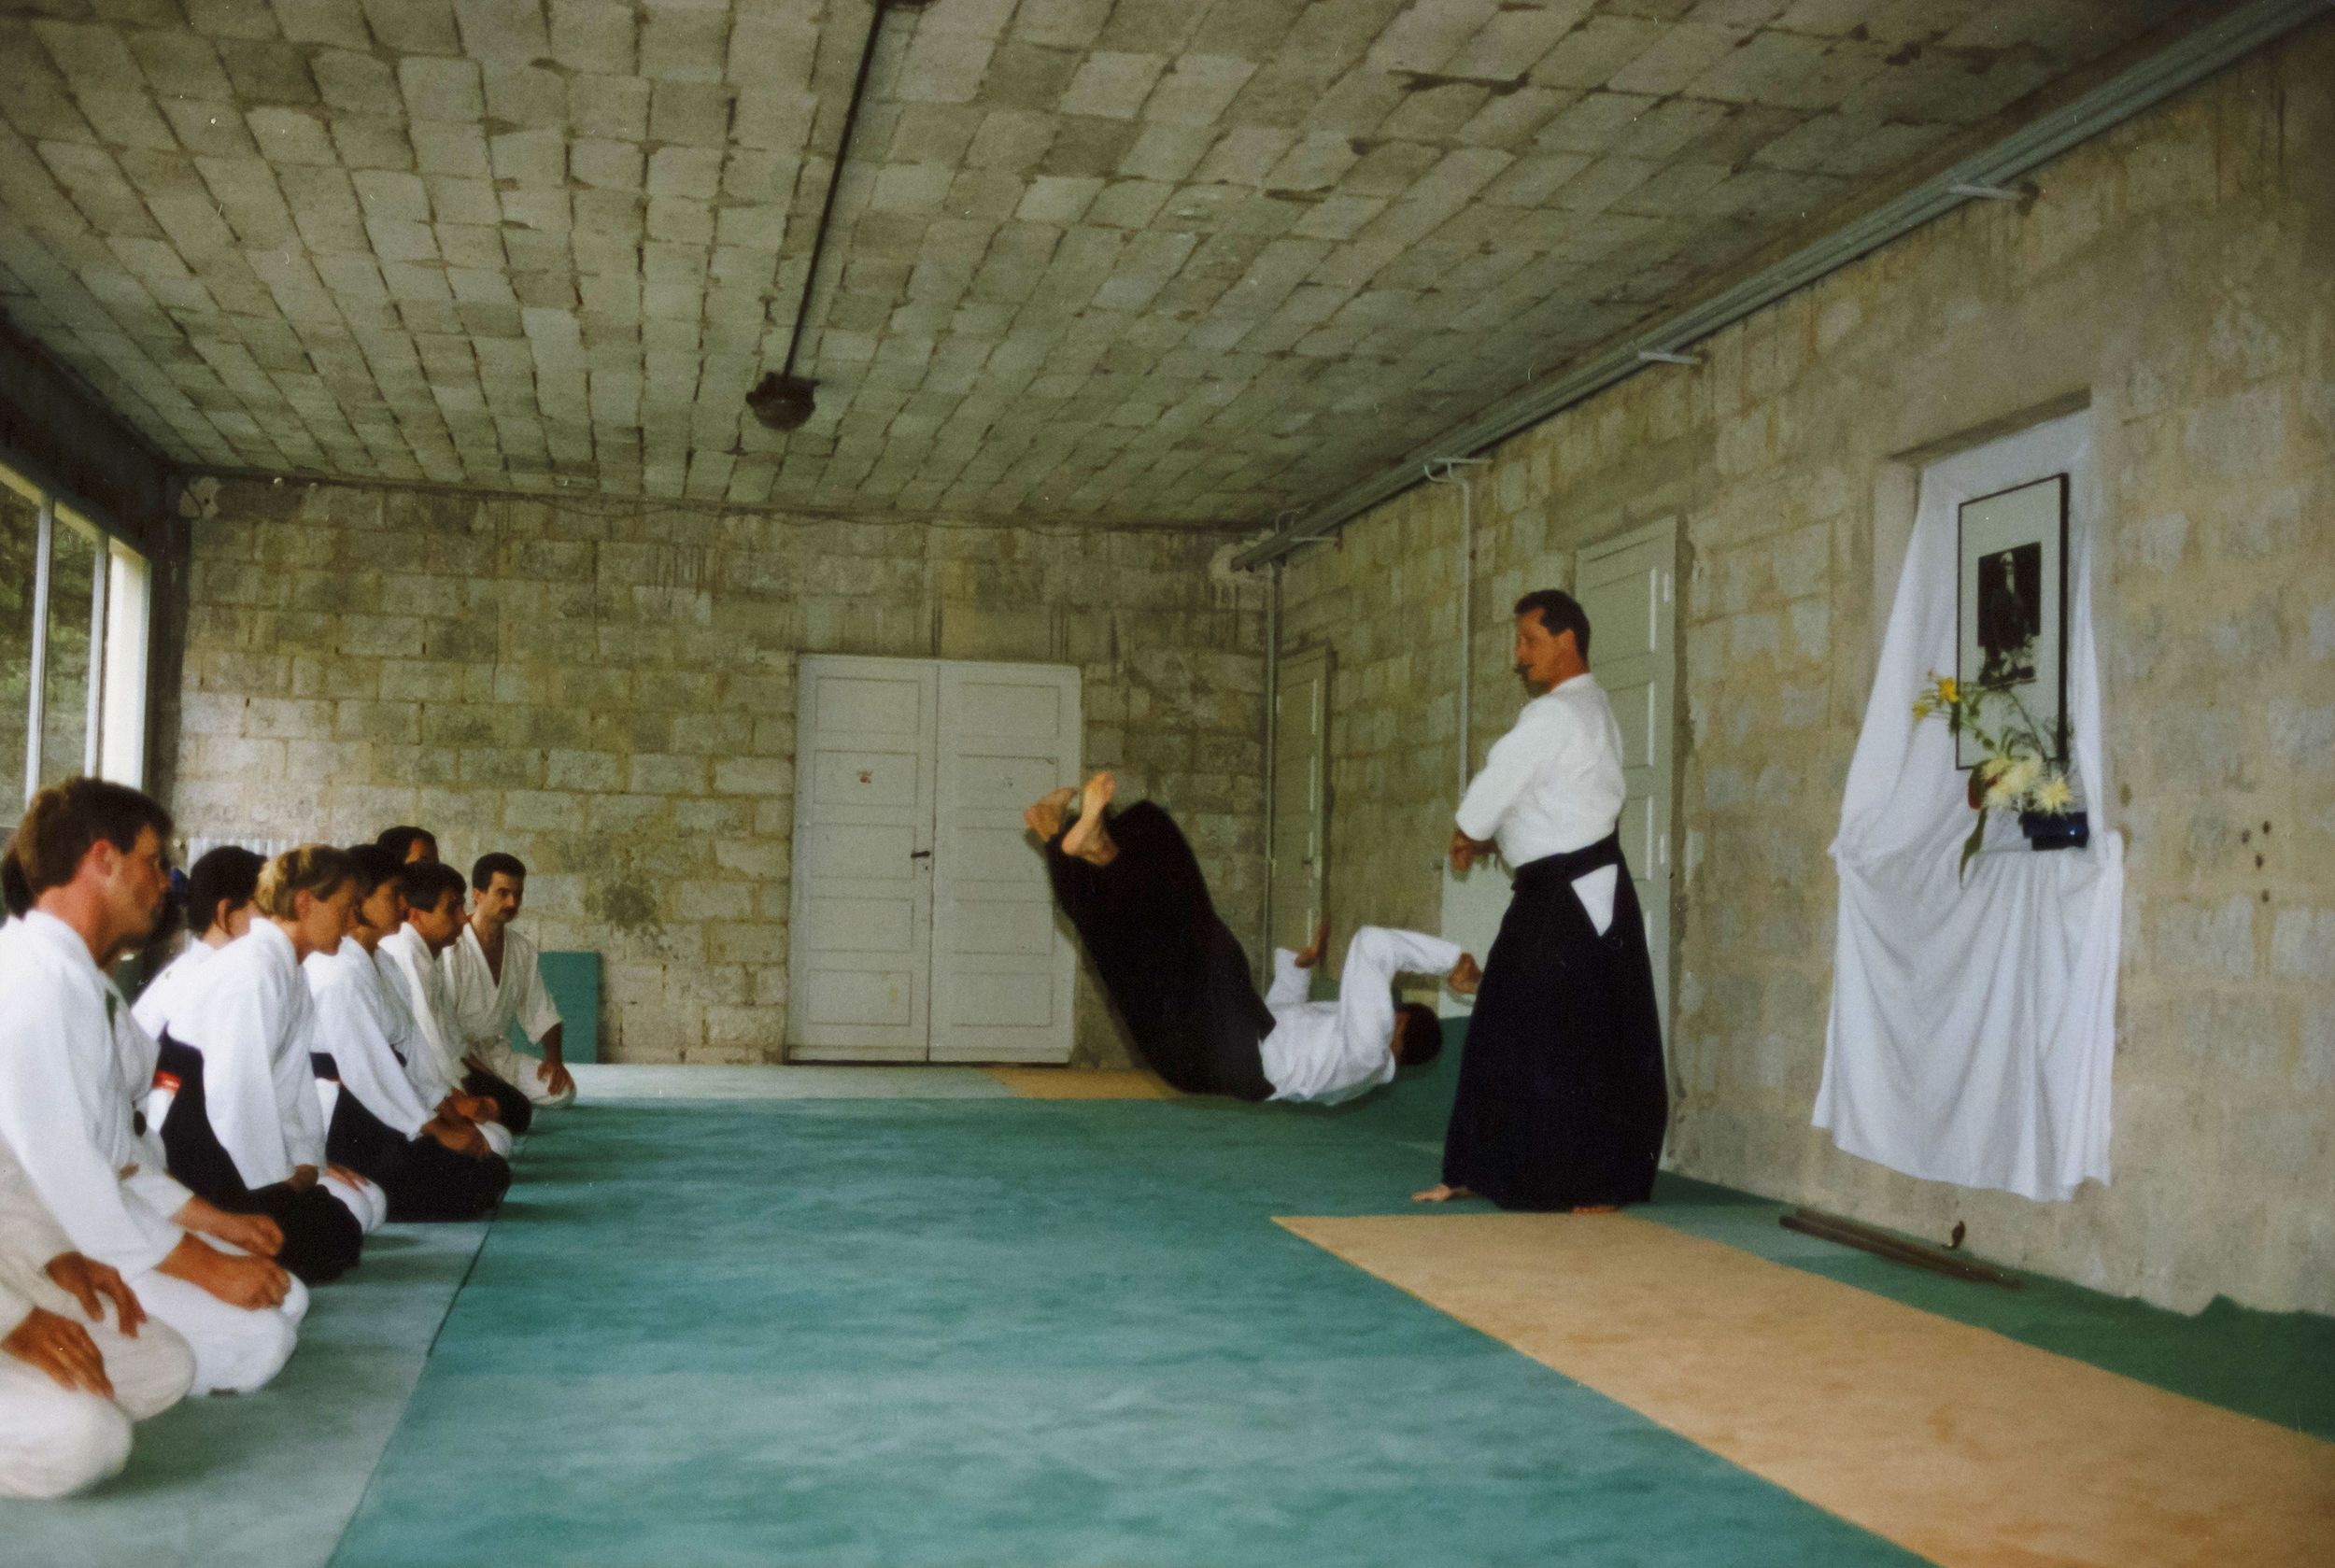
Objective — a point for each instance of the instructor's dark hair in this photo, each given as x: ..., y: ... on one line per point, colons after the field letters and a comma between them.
x: 229, y: 874
x: 483, y: 873
x: 1559, y: 611
x: 426, y: 884
x: 60, y: 825
x: 373, y: 865
x: 400, y: 842
x: 1419, y: 1032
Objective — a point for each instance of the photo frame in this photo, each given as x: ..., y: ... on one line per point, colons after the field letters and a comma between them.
x: 2012, y: 614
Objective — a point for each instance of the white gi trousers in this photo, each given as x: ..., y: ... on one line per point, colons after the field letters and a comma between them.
x: 523, y: 1072
x: 54, y: 1440
x: 238, y: 1349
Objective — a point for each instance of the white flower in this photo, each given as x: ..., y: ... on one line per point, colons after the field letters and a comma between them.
x: 2055, y: 795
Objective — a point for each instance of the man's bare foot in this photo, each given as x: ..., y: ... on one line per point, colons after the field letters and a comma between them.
x: 1088, y: 838
x: 1045, y: 817
x: 1441, y: 1193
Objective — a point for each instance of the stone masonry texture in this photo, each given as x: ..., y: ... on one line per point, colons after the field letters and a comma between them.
x: 607, y: 689
x: 2176, y: 273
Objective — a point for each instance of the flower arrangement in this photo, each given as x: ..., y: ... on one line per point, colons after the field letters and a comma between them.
x: 2016, y: 773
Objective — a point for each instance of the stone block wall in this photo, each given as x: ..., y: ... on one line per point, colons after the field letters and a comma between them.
x: 2176, y: 274
x: 608, y: 690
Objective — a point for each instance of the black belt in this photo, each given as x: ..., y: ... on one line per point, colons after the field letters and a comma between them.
x: 1572, y: 864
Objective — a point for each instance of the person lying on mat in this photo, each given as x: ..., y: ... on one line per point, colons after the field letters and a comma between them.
x: 1129, y: 885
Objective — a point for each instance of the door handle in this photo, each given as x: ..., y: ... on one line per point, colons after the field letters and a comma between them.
x: 920, y: 855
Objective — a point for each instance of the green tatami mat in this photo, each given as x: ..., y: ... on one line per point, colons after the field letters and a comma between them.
x: 1029, y: 1334
x: 269, y: 1478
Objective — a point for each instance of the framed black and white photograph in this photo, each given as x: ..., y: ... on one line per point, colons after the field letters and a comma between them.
x: 2013, y: 619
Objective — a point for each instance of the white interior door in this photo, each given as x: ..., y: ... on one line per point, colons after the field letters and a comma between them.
x: 1002, y: 971
x: 1626, y: 587
x: 1301, y: 761
x: 866, y: 754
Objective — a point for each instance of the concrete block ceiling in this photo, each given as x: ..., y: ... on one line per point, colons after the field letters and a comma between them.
x: 1117, y: 260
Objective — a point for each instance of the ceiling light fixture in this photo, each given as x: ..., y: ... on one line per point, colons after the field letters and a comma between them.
x: 782, y: 401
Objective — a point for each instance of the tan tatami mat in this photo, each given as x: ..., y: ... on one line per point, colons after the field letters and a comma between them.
x: 1969, y: 1448
x: 1076, y: 1083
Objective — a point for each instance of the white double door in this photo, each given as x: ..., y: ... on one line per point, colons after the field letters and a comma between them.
x: 923, y: 924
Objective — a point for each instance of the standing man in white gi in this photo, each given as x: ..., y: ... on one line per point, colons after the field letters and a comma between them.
x: 493, y: 978
x: 1562, y: 1101
x: 84, y: 876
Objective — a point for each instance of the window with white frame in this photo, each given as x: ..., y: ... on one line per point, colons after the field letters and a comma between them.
x: 74, y: 603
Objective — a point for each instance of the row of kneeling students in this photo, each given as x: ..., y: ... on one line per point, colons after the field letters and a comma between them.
x: 328, y: 1052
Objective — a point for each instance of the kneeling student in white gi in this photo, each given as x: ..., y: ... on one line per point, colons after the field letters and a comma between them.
x: 71, y: 1380
x: 246, y: 1129
x: 493, y: 979
x: 407, y: 959
x: 84, y: 876
x: 432, y: 1166
x: 219, y: 910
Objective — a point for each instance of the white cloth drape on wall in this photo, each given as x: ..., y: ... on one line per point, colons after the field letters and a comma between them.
x: 1972, y: 1025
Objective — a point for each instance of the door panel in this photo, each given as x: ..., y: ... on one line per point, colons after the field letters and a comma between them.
x: 1626, y: 586
x: 1002, y: 970
x: 862, y: 929
x: 1301, y: 759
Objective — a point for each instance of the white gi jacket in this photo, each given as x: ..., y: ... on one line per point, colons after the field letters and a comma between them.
x: 29, y: 1238
x: 353, y: 1026
x: 1330, y: 1051
x: 485, y: 1008
x: 162, y: 993
x: 1553, y: 784
x: 434, y: 1061
x: 67, y: 1112
x: 247, y: 1011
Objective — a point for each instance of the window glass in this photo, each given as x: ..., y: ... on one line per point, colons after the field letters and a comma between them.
x: 65, y: 706
x: 20, y: 543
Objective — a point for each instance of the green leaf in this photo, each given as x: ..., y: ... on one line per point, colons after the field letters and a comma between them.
x: 1970, y: 845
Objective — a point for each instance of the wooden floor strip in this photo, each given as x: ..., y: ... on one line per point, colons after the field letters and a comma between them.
x: 1077, y: 1083
x: 1972, y: 1450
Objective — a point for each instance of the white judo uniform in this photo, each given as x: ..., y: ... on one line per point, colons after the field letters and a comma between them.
x: 72, y: 1087
x: 485, y: 1008
x: 247, y: 1010
x: 55, y: 1440
x: 1331, y: 1052
x: 354, y: 1025
x: 434, y: 1061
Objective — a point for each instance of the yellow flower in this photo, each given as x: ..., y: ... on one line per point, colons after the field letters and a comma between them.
x: 2054, y: 795
x: 1948, y: 692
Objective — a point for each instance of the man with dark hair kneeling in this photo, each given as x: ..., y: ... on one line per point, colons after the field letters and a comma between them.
x: 432, y: 1163
x: 494, y: 981
x: 1129, y: 883
x: 407, y: 961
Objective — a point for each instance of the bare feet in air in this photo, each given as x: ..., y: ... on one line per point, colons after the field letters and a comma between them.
x: 1465, y: 976
x: 1088, y: 838
x: 1441, y: 1193
x: 1045, y: 817
x: 1312, y: 954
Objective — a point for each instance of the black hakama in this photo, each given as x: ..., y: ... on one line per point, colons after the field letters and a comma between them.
x: 422, y: 1179
x: 1178, y: 978
x: 322, y: 1240
x: 1562, y: 1099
